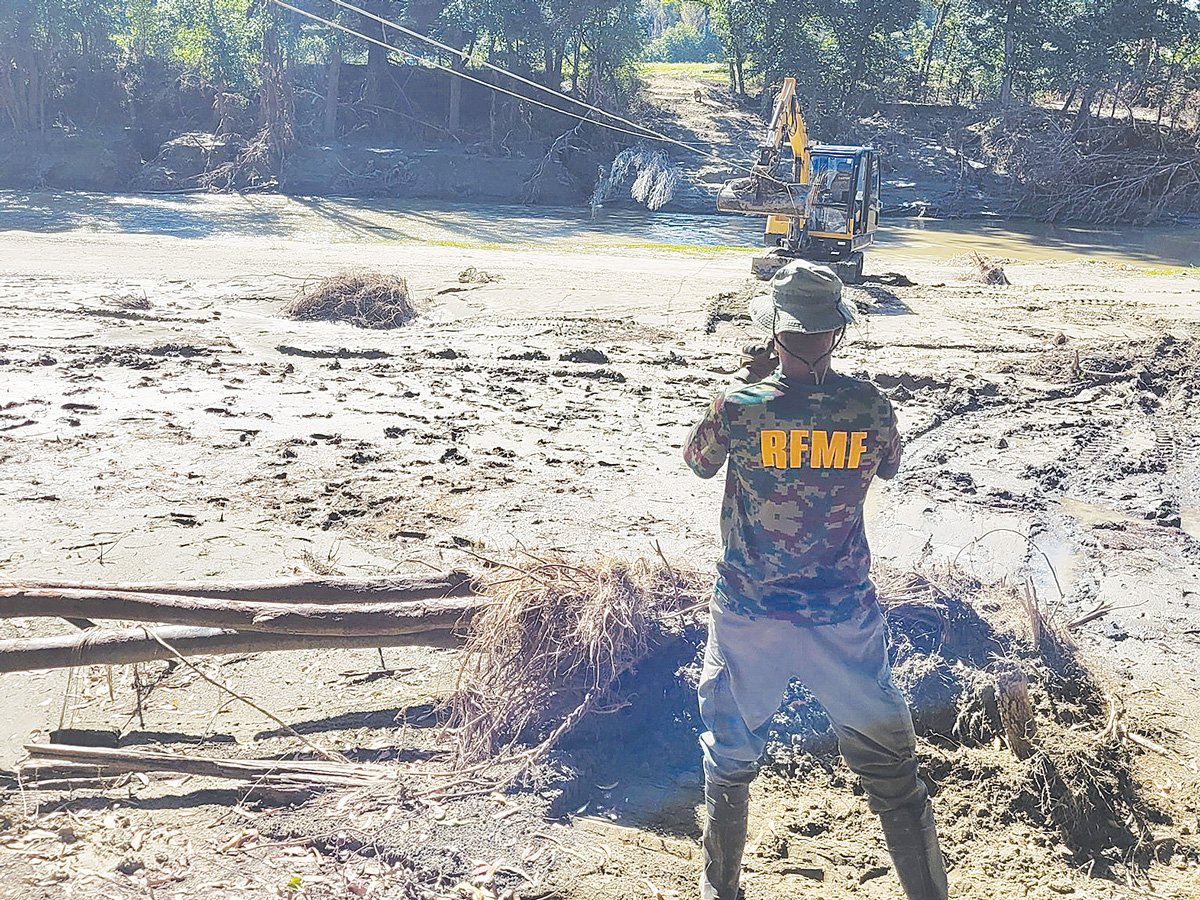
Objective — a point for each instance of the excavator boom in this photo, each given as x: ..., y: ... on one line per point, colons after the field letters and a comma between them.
x: 787, y: 122
x: 822, y: 201
x: 764, y: 192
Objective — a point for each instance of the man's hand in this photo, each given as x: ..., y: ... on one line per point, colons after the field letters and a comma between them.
x: 759, y: 359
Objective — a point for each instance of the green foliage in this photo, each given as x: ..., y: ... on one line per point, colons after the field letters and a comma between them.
x: 683, y: 43
x: 1030, y: 50
x: 847, y: 55
x: 70, y: 27
x: 218, y: 39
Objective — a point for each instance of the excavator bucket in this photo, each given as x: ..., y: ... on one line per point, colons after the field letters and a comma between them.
x: 755, y: 195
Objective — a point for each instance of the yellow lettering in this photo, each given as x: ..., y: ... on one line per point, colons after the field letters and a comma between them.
x: 798, y: 446
x: 773, y: 444
x: 858, y: 447
x: 828, y: 450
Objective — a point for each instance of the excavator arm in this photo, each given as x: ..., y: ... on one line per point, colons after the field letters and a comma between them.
x: 767, y: 191
x: 787, y: 123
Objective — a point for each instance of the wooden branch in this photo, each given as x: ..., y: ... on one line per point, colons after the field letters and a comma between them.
x: 313, y: 773
x: 407, y: 617
x: 131, y: 645
x: 384, y: 588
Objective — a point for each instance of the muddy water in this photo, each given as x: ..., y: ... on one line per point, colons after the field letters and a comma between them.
x: 340, y: 220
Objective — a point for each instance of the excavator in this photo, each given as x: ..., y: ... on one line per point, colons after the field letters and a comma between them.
x: 821, y: 201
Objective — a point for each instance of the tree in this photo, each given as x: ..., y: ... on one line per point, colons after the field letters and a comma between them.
x: 43, y: 44
x: 740, y: 26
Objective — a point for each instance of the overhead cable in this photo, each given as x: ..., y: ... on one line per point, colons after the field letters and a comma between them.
x: 640, y: 132
x: 466, y: 57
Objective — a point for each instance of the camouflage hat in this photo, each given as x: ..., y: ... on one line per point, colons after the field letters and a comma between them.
x: 805, y: 297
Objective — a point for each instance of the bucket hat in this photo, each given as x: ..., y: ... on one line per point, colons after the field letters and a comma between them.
x: 805, y: 297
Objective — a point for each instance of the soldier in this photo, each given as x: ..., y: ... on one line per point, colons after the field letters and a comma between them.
x: 793, y: 595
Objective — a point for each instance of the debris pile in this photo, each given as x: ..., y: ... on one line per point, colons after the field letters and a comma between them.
x: 1068, y: 170
x: 358, y: 297
x: 578, y: 676
x: 555, y: 645
x: 987, y: 270
x: 648, y: 175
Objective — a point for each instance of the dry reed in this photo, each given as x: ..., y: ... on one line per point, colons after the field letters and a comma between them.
x: 554, y: 645
x: 359, y: 297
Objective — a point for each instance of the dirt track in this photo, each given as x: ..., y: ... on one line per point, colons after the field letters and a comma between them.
x: 199, y: 434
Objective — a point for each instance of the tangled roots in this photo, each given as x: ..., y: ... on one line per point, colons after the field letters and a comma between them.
x: 360, y: 297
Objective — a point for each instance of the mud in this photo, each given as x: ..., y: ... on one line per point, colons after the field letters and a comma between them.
x: 1049, y: 425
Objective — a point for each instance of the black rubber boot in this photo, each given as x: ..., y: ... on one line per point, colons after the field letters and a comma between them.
x: 727, y: 811
x: 912, y: 840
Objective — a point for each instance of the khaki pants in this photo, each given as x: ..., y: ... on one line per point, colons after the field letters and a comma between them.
x: 747, y: 666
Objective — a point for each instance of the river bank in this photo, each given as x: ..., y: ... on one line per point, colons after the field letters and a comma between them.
x: 937, y: 162
x: 161, y: 418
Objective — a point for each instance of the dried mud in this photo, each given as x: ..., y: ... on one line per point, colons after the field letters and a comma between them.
x: 1050, y: 430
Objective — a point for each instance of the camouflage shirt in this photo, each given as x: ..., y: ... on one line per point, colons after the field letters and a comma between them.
x: 801, y: 457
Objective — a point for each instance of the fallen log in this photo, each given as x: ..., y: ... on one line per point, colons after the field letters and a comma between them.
x: 376, y: 589
x: 763, y: 196
x: 406, y: 617
x: 131, y: 645
x: 280, y: 772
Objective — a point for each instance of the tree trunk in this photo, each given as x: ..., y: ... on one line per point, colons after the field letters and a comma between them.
x: 939, y: 23
x: 408, y: 617
x: 1070, y: 98
x: 492, y: 120
x: 575, y: 65
x: 277, y: 108
x: 951, y: 47
x: 1085, y: 106
x: 1010, y: 54
x: 112, y: 647
x: 333, y: 92
x: 377, y: 56
x: 374, y: 589
x: 454, y: 119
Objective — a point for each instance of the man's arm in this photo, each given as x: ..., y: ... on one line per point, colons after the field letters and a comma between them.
x: 759, y: 360
x: 889, y: 463
x: 708, y: 445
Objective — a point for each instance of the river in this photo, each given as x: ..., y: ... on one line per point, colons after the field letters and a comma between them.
x: 324, y: 220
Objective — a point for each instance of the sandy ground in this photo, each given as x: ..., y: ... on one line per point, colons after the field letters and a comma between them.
x: 204, y: 435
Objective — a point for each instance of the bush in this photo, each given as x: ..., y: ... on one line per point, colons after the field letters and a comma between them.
x: 683, y: 43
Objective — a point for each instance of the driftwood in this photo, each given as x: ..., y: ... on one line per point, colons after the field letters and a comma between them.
x: 1126, y: 172
x: 132, y: 645
x: 288, y: 773
x: 407, y: 617
x: 1016, y: 712
x: 384, y: 588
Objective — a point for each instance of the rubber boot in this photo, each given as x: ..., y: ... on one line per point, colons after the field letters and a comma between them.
x: 912, y: 840
x: 727, y: 811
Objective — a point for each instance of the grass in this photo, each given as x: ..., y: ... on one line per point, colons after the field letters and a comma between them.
x: 1170, y: 270
x: 692, y: 70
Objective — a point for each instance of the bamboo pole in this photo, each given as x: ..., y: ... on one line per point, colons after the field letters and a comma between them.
x: 382, y: 588
x: 406, y: 617
x: 132, y: 645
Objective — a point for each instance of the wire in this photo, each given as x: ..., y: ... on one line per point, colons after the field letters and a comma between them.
x: 641, y: 132
x: 466, y: 58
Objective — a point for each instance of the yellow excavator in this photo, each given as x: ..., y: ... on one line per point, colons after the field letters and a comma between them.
x: 822, y: 201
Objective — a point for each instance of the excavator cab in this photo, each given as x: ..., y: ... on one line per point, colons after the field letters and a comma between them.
x: 840, y: 215
x: 821, y: 202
